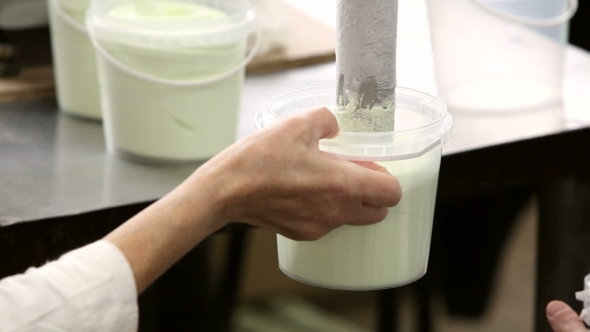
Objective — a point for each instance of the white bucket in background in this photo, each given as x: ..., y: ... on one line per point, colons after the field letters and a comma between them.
x: 499, y: 55
x: 395, y: 251
x: 171, y: 81
x: 74, y: 62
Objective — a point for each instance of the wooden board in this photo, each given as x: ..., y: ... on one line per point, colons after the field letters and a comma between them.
x: 34, y: 82
x: 310, y: 41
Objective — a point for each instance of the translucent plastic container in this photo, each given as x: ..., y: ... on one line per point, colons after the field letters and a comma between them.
x: 391, y: 253
x: 171, y: 82
x: 74, y: 62
x: 499, y: 55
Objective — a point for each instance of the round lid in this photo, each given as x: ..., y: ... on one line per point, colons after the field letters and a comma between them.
x: 167, y: 23
x: 422, y: 124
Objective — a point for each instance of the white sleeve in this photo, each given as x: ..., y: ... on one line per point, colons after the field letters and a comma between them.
x: 88, y: 289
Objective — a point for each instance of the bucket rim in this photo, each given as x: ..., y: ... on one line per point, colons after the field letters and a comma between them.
x: 376, y: 146
x: 239, y: 23
x: 572, y: 8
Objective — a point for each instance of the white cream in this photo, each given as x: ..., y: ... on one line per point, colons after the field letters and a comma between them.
x: 391, y: 253
x: 156, y: 121
x: 74, y: 61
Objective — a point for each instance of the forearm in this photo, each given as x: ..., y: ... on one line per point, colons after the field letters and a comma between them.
x: 294, y: 191
x: 159, y: 236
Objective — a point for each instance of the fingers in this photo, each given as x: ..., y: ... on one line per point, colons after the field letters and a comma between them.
x: 324, y: 123
x: 378, y: 186
x: 562, y: 318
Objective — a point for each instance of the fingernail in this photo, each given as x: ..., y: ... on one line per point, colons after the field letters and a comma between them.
x: 555, y: 307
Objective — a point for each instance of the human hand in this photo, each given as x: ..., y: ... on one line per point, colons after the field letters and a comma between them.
x: 275, y: 178
x: 562, y: 318
x: 278, y: 179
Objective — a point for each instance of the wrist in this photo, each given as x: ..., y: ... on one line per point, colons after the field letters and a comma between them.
x: 205, y: 199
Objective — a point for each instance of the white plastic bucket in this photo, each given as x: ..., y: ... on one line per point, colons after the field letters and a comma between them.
x: 74, y: 62
x: 391, y: 253
x: 171, y: 89
x: 499, y: 55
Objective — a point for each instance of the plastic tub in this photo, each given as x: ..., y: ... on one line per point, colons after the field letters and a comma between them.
x: 171, y: 83
x: 74, y: 61
x: 499, y: 56
x: 391, y: 253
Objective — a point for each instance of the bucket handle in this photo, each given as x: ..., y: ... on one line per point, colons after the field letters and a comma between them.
x: 67, y: 18
x: 163, y: 81
x: 564, y: 17
x: 258, y: 119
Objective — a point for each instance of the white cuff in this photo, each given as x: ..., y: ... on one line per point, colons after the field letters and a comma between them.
x: 88, y: 289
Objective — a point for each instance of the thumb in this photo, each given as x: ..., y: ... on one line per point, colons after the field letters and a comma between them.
x: 324, y: 123
x: 562, y: 318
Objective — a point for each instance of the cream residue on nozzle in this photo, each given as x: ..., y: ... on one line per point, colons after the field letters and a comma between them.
x: 365, y: 64
x: 353, y: 118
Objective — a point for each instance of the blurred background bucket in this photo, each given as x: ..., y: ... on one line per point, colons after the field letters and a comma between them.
x: 171, y: 85
x: 499, y: 55
x: 74, y: 61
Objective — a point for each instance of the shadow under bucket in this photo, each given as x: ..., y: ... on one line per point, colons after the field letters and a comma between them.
x: 391, y: 253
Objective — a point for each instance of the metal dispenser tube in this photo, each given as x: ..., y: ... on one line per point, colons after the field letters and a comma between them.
x: 365, y: 64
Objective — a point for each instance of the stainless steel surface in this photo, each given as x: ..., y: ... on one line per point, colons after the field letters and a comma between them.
x: 54, y: 165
